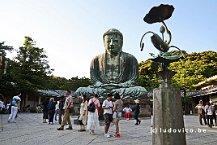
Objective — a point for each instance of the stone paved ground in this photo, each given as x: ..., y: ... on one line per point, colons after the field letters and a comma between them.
x: 29, y: 130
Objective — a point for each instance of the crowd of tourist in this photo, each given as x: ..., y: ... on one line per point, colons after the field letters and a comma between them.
x: 90, y: 109
x: 207, y: 113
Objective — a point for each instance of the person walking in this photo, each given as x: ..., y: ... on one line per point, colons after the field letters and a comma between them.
x: 51, y: 110
x: 67, y: 108
x: 137, y: 112
x: 61, y: 112
x: 209, y: 109
x: 93, y: 117
x: 45, y: 110
x: 201, y: 112
x: 215, y: 113
x: 118, y: 106
x: 14, y: 107
x: 83, y: 113
x: 127, y: 111
x: 108, y: 111
x: 57, y: 110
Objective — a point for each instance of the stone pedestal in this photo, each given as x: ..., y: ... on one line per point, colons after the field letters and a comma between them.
x: 168, y: 124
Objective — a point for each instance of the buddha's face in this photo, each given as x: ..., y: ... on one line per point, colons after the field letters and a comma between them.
x: 113, y: 44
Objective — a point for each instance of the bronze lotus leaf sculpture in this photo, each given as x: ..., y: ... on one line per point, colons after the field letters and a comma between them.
x: 159, y: 14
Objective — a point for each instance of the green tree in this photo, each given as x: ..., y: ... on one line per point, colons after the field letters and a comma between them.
x: 33, y: 67
x: 147, y: 74
x: 4, y: 84
x: 79, y: 82
x: 194, y: 68
x: 3, y: 49
x: 61, y: 83
x: 58, y: 83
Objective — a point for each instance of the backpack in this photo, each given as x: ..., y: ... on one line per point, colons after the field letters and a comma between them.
x: 91, y: 107
x: 14, y: 102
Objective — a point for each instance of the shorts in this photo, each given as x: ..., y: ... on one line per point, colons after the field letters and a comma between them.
x: 108, y: 118
x: 117, y: 115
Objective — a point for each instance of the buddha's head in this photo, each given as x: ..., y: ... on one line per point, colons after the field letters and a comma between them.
x: 113, y: 41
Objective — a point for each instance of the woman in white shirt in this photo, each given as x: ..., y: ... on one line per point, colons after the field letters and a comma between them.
x: 83, y: 113
x: 93, y: 117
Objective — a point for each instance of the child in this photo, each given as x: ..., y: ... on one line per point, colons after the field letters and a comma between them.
x: 127, y: 111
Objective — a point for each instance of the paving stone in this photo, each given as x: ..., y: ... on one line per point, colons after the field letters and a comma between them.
x: 29, y: 130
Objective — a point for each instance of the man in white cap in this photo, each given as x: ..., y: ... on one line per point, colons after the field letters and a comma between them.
x: 201, y: 112
x: 137, y: 112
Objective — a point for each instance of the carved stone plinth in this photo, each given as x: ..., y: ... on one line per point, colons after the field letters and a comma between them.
x: 168, y: 125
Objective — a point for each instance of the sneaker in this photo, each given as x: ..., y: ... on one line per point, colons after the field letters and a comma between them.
x: 117, y: 135
x: 139, y: 121
x: 69, y: 128
x: 60, y: 128
x: 107, y: 135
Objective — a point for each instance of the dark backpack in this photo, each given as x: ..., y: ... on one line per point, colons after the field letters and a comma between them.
x: 91, y: 107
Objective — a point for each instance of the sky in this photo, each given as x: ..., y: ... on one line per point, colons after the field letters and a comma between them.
x: 71, y: 31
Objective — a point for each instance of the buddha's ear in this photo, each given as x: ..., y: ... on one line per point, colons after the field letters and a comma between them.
x: 121, y: 44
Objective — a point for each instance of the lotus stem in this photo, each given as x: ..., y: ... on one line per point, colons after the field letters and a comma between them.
x: 163, y: 36
x: 168, y: 32
x: 143, y: 37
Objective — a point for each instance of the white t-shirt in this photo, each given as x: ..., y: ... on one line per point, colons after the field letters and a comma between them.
x: 126, y: 109
x: 107, y: 104
x: 68, y: 102
x: 209, y: 109
x: 17, y: 98
x: 57, y: 106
